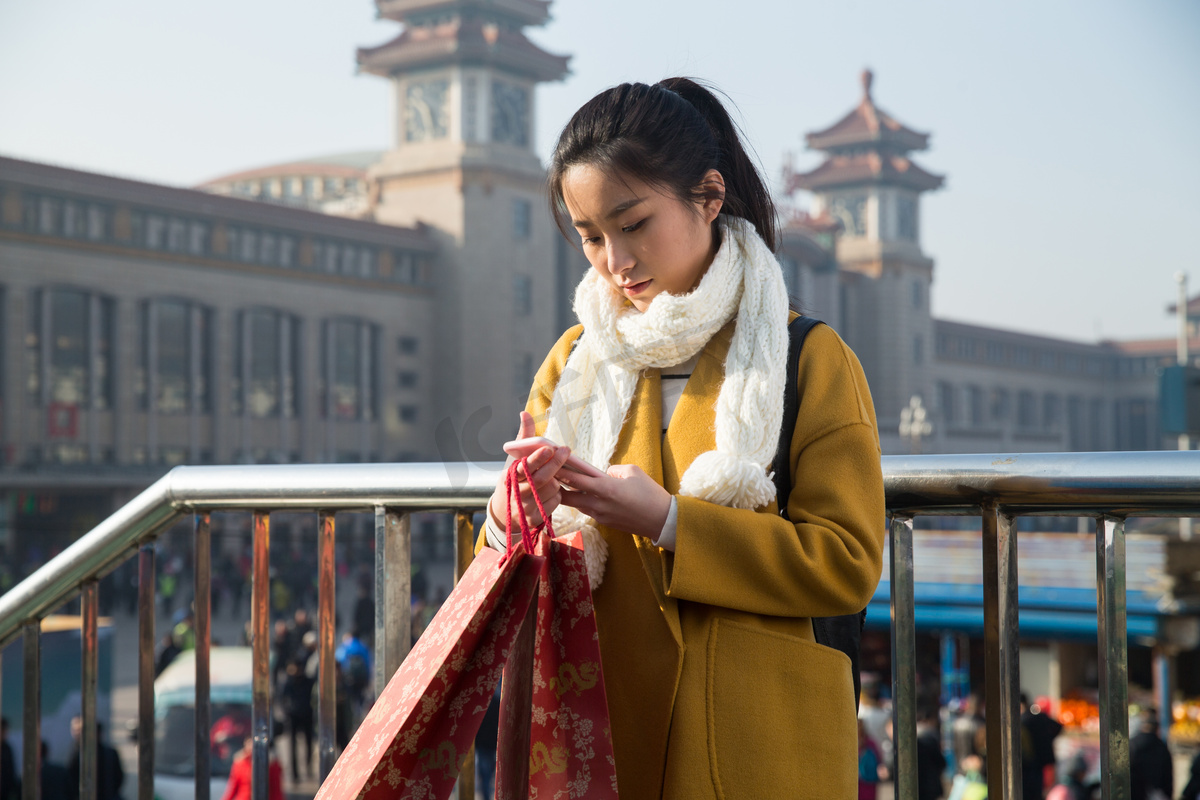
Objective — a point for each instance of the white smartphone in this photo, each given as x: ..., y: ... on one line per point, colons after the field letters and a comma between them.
x: 523, y: 448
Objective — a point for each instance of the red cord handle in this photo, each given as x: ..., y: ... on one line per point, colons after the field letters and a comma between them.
x: 512, y: 491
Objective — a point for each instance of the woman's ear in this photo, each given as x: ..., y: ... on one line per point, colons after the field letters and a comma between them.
x: 712, y: 187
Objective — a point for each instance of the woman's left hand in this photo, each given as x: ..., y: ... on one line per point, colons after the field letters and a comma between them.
x: 626, y: 499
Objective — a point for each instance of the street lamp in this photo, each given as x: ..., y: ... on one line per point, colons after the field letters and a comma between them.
x: 913, y: 424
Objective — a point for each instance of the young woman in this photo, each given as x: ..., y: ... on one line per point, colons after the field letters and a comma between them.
x: 673, y: 386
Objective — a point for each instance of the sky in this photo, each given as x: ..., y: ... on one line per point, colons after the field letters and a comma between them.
x: 1066, y: 129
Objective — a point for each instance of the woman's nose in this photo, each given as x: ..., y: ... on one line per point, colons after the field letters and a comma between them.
x: 620, y: 259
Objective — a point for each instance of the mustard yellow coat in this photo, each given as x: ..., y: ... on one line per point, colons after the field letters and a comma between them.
x: 716, y: 688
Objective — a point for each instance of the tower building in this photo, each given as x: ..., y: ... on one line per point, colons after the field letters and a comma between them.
x: 463, y: 164
x: 869, y: 184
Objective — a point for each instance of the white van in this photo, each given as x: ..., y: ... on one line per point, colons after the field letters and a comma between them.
x: 231, y: 674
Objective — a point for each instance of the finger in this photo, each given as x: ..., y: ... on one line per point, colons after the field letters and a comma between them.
x: 540, y: 458
x: 527, y: 428
x: 580, y: 482
x: 544, y: 473
x: 581, y: 501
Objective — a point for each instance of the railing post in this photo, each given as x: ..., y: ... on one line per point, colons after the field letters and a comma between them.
x: 1114, y: 665
x: 31, y: 742
x: 89, y: 682
x: 203, y: 614
x: 1000, y: 643
x: 326, y: 673
x: 393, y: 594
x: 145, y: 734
x: 260, y: 620
x: 904, y: 655
x: 464, y: 552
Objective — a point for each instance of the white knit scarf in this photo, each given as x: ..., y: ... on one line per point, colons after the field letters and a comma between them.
x: 592, y: 398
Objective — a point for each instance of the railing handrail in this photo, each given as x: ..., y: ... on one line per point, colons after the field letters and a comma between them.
x: 1156, y: 483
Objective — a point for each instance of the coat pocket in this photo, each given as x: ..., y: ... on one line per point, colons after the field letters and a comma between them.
x: 781, y: 718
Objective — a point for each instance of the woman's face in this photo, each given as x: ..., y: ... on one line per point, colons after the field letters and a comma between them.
x: 641, y: 240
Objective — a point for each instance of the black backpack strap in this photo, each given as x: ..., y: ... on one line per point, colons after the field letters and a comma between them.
x: 842, y: 633
x: 797, y: 332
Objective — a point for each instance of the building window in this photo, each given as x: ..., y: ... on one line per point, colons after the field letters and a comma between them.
x: 156, y: 231
x: 1076, y: 423
x: 177, y: 357
x: 975, y: 406
x: 407, y: 379
x: 349, y: 367
x: 523, y: 294
x: 266, y: 364
x: 918, y: 294
x: 176, y: 235
x: 68, y: 349
x: 1051, y: 411
x: 1026, y: 409
x: 999, y: 405
x: 918, y: 350
x: 408, y: 414
x: 946, y: 401
x: 407, y: 345
x: 287, y: 251
x: 522, y: 219
x: 995, y: 353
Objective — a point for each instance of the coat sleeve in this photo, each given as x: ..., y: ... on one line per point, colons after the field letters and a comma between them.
x: 827, y: 559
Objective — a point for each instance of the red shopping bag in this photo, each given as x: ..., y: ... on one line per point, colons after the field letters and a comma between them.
x: 555, y: 735
x: 415, y: 737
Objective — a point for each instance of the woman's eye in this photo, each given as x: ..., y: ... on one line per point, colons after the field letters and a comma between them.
x: 635, y: 226
x: 591, y: 239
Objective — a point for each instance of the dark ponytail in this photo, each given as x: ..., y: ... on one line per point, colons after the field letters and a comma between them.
x: 667, y: 135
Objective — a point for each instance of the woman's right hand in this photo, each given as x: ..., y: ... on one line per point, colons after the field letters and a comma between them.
x: 544, y: 464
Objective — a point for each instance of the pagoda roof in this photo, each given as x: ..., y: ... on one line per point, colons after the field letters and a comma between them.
x: 871, y: 167
x: 466, y: 38
x: 527, y: 12
x: 868, y: 124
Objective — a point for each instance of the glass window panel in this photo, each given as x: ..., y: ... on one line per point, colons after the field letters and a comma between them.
x: 48, y: 213
x: 172, y: 323
x: 270, y: 251
x: 346, y: 361
x: 33, y: 348
x: 349, y: 259
x: 203, y: 344
x: 97, y: 223
x: 249, y: 248
x: 366, y: 262
x: 68, y: 347
x: 287, y: 251
x: 330, y: 254
x: 156, y: 230
x: 176, y: 235
x: 104, y: 351
x: 263, y: 394
x: 198, y: 239
x: 73, y: 219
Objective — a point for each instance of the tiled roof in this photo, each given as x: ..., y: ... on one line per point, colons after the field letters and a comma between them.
x: 842, y: 170
x: 529, y: 12
x: 469, y: 38
x: 868, y: 124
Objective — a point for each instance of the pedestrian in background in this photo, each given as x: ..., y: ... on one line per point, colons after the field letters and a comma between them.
x: 10, y: 783
x: 870, y: 764
x: 931, y: 762
x: 1151, y: 771
x: 1192, y: 790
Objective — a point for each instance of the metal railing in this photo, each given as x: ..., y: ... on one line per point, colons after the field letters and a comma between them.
x: 1000, y: 488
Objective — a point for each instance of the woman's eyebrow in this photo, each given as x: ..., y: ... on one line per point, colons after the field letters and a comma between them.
x: 618, y: 209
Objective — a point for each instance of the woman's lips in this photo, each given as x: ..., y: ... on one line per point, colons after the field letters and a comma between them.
x: 635, y: 288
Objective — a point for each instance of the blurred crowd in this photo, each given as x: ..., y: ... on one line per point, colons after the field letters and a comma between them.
x: 952, y: 754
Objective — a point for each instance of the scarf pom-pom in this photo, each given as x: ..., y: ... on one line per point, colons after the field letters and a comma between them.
x: 728, y: 481
x: 595, y: 555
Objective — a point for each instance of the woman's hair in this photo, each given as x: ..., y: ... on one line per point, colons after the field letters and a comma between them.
x: 668, y: 135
